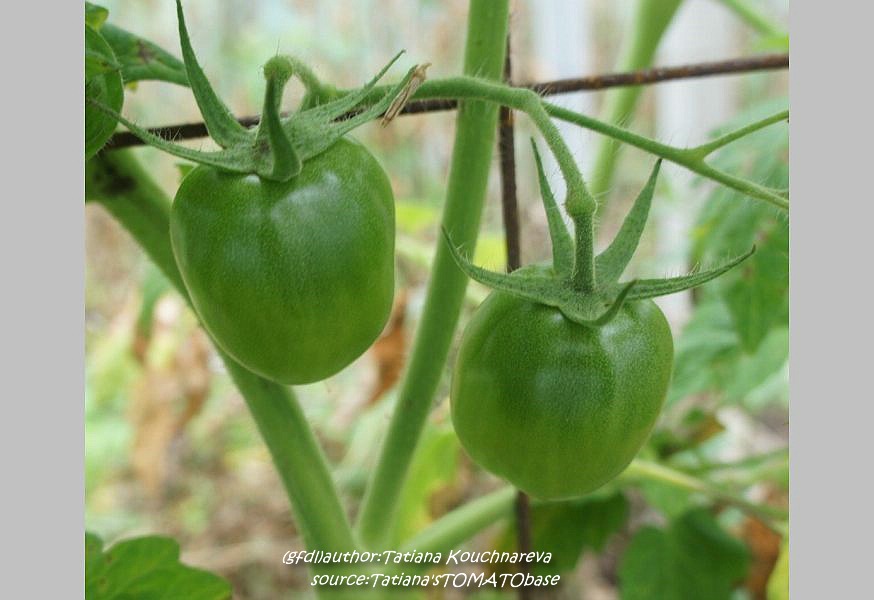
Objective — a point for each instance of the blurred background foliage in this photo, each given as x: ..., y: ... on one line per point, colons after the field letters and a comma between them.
x: 171, y: 449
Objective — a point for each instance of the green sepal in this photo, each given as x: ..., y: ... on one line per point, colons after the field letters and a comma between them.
x: 611, y: 263
x: 546, y: 288
x: 562, y: 245
x: 278, y: 147
x: 653, y: 288
x: 220, y: 123
x: 314, y: 130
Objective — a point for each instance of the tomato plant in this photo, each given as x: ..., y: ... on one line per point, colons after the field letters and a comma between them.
x: 565, y: 386
x: 293, y: 279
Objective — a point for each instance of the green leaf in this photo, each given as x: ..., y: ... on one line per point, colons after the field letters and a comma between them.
x: 759, y: 296
x: 141, y: 59
x: 758, y: 293
x: 778, y: 582
x: 568, y: 528
x: 95, y: 15
x: 434, y: 466
x: 146, y: 568
x: 103, y: 85
x: 693, y: 558
x: 708, y: 338
x: 755, y: 370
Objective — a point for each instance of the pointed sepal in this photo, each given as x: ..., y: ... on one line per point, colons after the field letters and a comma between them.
x: 540, y: 285
x: 237, y: 159
x: 616, y: 305
x: 652, y: 288
x: 220, y: 123
x: 610, y: 264
x: 562, y: 245
x: 314, y: 130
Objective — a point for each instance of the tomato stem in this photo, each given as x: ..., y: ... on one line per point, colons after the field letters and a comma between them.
x: 471, y: 160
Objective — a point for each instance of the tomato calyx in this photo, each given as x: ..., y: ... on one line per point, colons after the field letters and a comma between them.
x: 559, y: 287
x: 277, y: 147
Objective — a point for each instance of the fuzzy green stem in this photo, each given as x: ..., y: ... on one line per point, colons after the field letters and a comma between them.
x: 579, y: 202
x: 471, y: 159
x: 122, y: 186
x: 641, y: 469
x: 681, y: 156
x: 463, y: 523
x: 650, y: 21
x: 709, y: 148
x: 454, y: 88
x: 283, y: 162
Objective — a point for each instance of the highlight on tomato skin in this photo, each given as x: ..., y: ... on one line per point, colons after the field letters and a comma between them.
x: 556, y: 408
x: 293, y: 279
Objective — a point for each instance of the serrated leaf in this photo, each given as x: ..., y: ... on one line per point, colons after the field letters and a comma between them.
x: 146, y: 568
x: 758, y: 296
x: 568, y: 529
x: 692, y: 558
x: 141, y: 59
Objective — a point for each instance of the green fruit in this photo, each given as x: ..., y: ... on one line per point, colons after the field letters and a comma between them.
x: 293, y: 279
x: 558, y: 408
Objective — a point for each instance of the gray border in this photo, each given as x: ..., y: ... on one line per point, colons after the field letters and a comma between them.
x: 831, y: 351
x: 42, y: 336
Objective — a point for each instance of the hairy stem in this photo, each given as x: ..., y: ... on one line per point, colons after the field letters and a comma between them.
x: 468, y: 176
x: 121, y: 185
x: 642, y: 469
x: 463, y: 523
x: 710, y: 147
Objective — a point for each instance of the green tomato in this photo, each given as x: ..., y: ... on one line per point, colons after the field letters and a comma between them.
x: 556, y: 408
x: 294, y: 280
x: 102, y: 83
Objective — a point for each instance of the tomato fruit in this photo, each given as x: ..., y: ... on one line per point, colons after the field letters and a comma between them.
x: 555, y: 407
x: 293, y: 279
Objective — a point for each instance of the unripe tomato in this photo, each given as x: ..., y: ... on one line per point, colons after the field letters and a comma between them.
x: 556, y: 408
x: 294, y: 280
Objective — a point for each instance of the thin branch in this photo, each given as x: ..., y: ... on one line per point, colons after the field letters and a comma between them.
x: 510, y: 211
x: 766, y: 62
